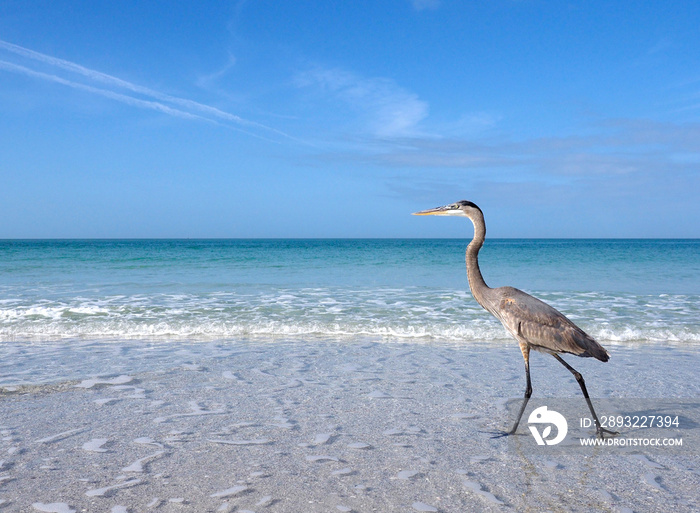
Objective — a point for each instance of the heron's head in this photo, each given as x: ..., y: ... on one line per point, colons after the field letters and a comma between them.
x: 461, y: 208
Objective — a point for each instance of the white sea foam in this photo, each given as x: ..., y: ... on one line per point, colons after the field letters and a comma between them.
x: 411, y: 313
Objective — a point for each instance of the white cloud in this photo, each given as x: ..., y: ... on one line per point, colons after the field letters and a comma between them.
x: 421, y: 5
x: 388, y: 110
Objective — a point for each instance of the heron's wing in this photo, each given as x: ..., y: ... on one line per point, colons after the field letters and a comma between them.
x: 544, y: 327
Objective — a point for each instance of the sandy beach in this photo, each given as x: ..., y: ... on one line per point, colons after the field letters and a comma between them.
x: 323, y: 426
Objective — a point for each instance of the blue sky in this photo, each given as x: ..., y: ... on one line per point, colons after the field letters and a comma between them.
x: 329, y: 119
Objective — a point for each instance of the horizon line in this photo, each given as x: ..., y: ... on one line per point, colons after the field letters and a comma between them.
x: 96, y: 239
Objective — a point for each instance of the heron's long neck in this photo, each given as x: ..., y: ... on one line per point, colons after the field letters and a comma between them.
x: 476, y: 281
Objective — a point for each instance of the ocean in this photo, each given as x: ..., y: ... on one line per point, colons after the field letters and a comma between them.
x: 319, y: 375
x: 62, y: 302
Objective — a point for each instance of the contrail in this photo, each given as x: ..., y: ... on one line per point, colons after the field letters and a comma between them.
x: 135, y: 88
x: 130, y: 100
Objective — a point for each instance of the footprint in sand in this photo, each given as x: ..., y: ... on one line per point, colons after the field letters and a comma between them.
x: 147, y: 441
x: 265, y: 501
x: 231, y: 492
x: 106, y: 401
x: 55, y: 507
x: 60, y: 436
x: 653, y: 481
x: 476, y: 488
x: 283, y: 422
x: 422, y: 506
x: 95, y: 445
x: 233, y: 376
x: 136, y: 393
x: 359, y: 445
x: 101, y: 492
x: 646, y: 461
x: 119, y: 380
x: 378, y: 394
x: 196, y: 411
x: 343, y: 472
x: 137, y: 466
x: 322, y: 438
x: 320, y: 458
x: 258, y: 441
x: 412, y: 430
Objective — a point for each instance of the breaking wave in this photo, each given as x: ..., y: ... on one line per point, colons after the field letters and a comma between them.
x: 414, y: 313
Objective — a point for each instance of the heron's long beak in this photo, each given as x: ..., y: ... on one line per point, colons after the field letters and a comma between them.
x: 438, y: 211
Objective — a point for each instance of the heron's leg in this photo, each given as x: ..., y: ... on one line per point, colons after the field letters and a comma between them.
x: 528, y: 387
x: 598, y: 429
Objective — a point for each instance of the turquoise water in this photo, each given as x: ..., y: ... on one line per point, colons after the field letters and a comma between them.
x: 619, y: 291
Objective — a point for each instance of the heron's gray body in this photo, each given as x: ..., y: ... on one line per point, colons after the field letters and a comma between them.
x: 540, y: 326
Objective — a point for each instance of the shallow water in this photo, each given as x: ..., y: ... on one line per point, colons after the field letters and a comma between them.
x: 61, y: 299
x: 329, y: 426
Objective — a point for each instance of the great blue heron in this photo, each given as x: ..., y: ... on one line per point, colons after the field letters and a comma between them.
x: 533, y: 323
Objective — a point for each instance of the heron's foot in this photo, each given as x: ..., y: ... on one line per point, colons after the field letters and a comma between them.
x: 601, y: 432
x: 500, y: 434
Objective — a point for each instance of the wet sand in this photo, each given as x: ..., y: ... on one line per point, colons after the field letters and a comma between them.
x: 328, y: 426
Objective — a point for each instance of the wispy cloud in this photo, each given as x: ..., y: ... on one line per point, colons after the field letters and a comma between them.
x: 128, y: 92
x: 611, y: 150
x: 388, y: 109
x: 421, y: 5
x: 206, y: 80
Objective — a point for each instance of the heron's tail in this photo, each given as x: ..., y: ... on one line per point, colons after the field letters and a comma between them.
x: 595, y: 350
